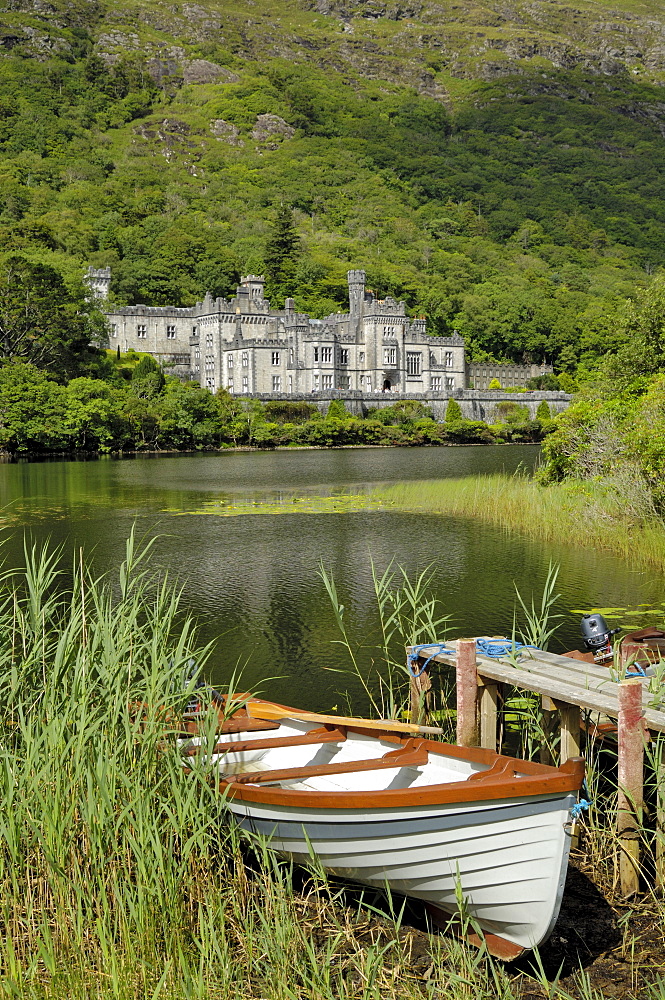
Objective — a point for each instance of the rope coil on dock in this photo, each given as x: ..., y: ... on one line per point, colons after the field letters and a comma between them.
x: 492, y: 648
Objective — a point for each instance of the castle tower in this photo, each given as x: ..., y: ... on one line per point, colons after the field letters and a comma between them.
x: 254, y: 283
x: 356, y: 281
x: 98, y: 281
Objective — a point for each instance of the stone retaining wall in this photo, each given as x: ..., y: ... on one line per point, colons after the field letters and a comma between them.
x: 476, y: 404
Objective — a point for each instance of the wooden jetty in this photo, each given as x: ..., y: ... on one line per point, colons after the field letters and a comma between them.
x: 566, y: 686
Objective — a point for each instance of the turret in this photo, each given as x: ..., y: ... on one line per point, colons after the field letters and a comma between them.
x: 356, y: 281
x: 254, y: 283
x: 98, y: 280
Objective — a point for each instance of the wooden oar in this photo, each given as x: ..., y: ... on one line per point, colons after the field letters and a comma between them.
x: 263, y: 710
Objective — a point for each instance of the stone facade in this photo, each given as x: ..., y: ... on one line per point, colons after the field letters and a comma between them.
x: 480, y: 374
x: 243, y: 345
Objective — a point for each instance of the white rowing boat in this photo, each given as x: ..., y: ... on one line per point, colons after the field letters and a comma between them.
x: 428, y: 819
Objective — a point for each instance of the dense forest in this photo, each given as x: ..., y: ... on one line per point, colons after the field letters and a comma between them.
x: 515, y: 198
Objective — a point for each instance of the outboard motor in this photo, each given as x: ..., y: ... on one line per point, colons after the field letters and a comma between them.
x: 596, y: 634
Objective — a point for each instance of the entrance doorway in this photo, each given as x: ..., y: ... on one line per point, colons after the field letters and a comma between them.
x: 386, y: 385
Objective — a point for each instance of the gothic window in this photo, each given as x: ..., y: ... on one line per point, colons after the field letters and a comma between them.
x: 197, y: 353
x: 114, y: 329
x: 141, y: 331
x: 326, y: 354
x: 450, y: 383
x: 413, y: 359
x: 170, y: 332
x: 195, y: 331
x: 316, y: 382
x: 344, y: 356
x: 448, y: 359
x: 245, y: 359
x: 290, y: 383
x: 245, y: 383
x: 275, y: 358
x: 327, y: 381
x: 369, y: 384
x: 229, y: 384
x: 361, y: 357
x: 390, y: 355
x: 316, y: 354
x: 209, y: 339
x: 344, y: 382
x: 291, y: 355
x: 229, y: 361
x: 277, y: 383
x: 436, y: 383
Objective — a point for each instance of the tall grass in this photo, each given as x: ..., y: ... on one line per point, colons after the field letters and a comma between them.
x: 585, y: 514
x: 119, y: 873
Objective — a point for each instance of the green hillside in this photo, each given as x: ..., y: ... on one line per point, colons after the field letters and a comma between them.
x: 499, y: 169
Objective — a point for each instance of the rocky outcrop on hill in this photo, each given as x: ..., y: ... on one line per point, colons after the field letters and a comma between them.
x: 413, y: 42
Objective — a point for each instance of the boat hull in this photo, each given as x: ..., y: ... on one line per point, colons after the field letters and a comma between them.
x: 506, y: 859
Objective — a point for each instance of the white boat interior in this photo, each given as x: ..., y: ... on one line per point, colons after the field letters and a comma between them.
x: 436, y: 768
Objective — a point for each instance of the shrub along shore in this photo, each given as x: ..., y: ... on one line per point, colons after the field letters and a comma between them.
x: 140, y: 409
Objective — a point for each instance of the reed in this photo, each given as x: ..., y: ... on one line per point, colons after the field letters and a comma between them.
x: 578, y: 513
x: 119, y: 874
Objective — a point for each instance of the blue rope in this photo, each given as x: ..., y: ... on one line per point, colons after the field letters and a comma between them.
x: 495, y: 650
x: 414, y: 656
x: 583, y: 805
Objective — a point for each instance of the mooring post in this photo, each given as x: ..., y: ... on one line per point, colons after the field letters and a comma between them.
x: 632, y: 733
x: 467, y: 693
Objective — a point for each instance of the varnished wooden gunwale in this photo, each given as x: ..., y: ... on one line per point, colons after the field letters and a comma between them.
x: 535, y: 780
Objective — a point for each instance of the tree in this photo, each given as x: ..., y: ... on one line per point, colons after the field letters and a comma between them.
x: 337, y: 410
x: 147, y: 378
x: 31, y: 410
x: 546, y: 381
x: 282, y: 251
x: 494, y: 384
x: 453, y: 412
x: 543, y: 412
x: 41, y: 322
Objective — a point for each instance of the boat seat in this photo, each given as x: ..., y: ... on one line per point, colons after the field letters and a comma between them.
x: 412, y: 754
x: 325, y: 734
x: 235, y: 724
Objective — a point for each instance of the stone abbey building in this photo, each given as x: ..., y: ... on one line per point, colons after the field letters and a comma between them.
x: 243, y: 345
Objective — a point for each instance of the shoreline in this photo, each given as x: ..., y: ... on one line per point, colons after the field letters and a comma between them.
x: 573, y: 512
x: 11, y: 458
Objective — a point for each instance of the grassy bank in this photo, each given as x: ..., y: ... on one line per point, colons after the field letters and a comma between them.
x: 119, y: 875
x: 573, y: 512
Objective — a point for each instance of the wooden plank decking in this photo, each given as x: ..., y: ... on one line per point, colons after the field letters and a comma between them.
x: 575, y: 682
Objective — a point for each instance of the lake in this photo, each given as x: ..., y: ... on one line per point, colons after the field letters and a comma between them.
x: 252, y: 578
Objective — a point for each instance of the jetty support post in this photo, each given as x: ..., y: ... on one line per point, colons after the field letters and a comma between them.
x: 489, y: 699
x: 632, y: 735
x: 418, y: 688
x: 467, y: 693
x: 570, y: 730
